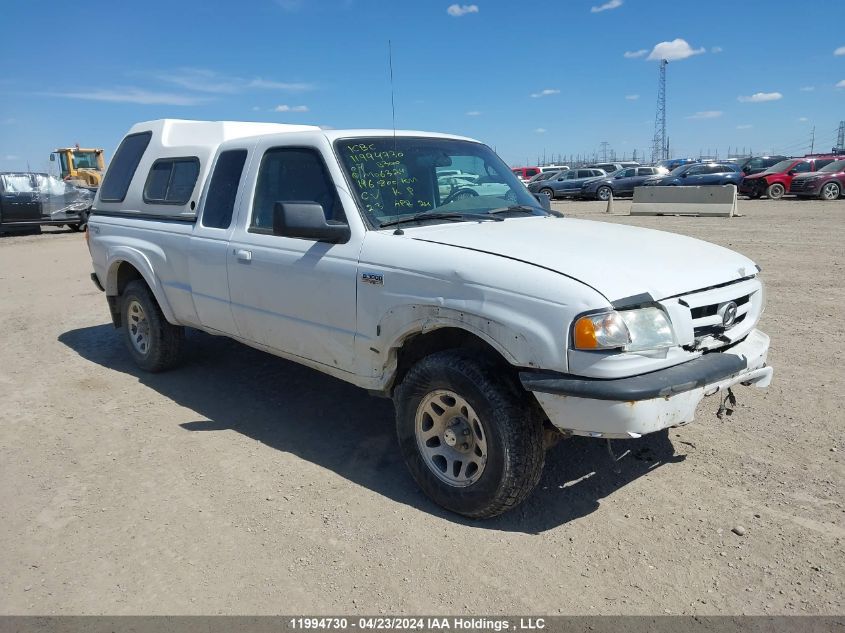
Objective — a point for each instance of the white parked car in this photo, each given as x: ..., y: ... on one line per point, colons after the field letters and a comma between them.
x: 492, y: 323
x: 467, y: 186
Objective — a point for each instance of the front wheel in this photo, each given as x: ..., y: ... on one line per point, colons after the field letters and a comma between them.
x: 548, y: 192
x: 468, y: 435
x: 775, y: 191
x: 604, y: 193
x: 155, y: 344
x: 830, y: 191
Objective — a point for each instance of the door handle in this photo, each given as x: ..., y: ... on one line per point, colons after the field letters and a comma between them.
x: 243, y: 255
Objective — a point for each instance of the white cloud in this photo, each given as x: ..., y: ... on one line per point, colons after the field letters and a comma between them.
x: 458, y: 10
x: 204, y: 80
x: 473, y: 113
x: 841, y: 84
x: 11, y: 157
x: 287, y: 108
x: 635, y: 54
x: 803, y: 119
x: 610, y: 4
x: 675, y: 50
x: 632, y: 97
x: 706, y: 114
x: 839, y: 51
x: 133, y: 95
x: 744, y: 126
x: 545, y: 93
x: 540, y: 130
x: 716, y: 49
x: 760, y: 97
x: 807, y: 88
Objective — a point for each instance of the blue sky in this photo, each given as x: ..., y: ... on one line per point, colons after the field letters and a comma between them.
x: 525, y: 77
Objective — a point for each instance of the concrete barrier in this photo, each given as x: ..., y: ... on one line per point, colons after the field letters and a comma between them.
x: 709, y: 201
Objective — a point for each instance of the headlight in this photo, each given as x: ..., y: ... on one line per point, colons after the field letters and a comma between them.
x: 629, y: 330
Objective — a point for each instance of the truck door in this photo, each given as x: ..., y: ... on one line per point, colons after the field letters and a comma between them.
x: 296, y: 296
x: 210, y: 243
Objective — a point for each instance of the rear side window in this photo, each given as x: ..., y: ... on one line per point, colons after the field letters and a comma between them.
x: 123, y: 166
x: 172, y: 180
x: 220, y: 200
x: 821, y: 162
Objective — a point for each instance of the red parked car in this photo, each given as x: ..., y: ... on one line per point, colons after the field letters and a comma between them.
x: 776, y: 180
x: 828, y: 183
x: 525, y: 173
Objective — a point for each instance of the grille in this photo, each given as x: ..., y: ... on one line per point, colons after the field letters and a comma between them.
x: 707, y: 322
x: 706, y: 309
x: 799, y: 184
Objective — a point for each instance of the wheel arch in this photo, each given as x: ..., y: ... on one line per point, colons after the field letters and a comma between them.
x: 126, y: 266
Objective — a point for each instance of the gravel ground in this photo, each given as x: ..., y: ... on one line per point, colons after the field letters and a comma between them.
x: 241, y: 483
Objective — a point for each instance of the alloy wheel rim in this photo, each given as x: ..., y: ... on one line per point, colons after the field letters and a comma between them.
x: 139, y: 327
x: 830, y: 191
x: 451, y: 438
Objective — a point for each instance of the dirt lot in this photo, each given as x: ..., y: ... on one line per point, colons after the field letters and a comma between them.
x: 241, y: 483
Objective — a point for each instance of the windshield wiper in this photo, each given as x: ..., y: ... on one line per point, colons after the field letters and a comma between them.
x: 517, y: 208
x: 439, y: 215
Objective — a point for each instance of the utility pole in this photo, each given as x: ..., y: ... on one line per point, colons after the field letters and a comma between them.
x: 660, y: 145
x: 813, y: 139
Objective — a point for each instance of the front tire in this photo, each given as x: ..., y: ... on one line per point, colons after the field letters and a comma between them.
x: 603, y: 193
x: 154, y: 343
x: 468, y: 435
x: 830, y: 191
x: 775, y: 191
x: 548, y: 192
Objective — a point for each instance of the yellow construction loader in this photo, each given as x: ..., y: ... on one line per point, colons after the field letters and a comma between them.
x: 80, y: 167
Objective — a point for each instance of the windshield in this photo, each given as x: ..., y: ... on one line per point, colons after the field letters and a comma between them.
x: 780, y: 167
x: 401, y: 177
x: 837, y: 165
x: 85, y: 160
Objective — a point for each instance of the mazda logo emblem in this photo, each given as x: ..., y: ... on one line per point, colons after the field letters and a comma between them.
x: 728, y: 313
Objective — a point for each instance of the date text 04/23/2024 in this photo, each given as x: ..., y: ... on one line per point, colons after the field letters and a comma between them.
x: 385, y: 623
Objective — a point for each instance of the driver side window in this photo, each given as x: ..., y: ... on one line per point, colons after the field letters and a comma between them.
x: 292, y: 174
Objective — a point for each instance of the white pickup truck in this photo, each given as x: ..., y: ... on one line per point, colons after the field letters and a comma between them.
x: 493, y: 323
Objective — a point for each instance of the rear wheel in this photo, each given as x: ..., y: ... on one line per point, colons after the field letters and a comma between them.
x: 154, y: 343
x: 830, y: 191
x: 604, y: 192
x: 775, y: 191
x: 468, y: 435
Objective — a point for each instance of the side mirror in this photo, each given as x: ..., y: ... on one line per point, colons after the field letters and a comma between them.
x: 617, y: 177
x: 307, y: 220
x: 684, y: 175
x: 544, y: 201
x: 792, y: 172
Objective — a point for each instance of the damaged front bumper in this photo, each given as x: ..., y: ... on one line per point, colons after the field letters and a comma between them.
x: 633, y: 406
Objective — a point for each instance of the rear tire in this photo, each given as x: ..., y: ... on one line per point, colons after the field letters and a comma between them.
x: 830, y: 191
x: 154, y: 343
x: 775, y: 191
x: 468, y: 434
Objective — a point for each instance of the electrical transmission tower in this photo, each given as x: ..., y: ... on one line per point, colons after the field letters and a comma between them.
x: 840, y: 137
x: 660, y: 147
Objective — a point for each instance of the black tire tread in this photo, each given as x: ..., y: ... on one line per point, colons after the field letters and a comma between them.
x: 522, y: 432
x: 168, y: 340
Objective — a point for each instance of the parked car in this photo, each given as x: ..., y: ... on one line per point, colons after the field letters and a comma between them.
x: 620, y: 183
x: 757, y: 164
x: 673, y: 163
x: 491, y: 323
x: 776, y: 180
x: 828, y: 183
x: 611, y: 168
x: 554, y: 168
x: 567, y: 184
x: 525, y: 173
x: 464, y: 186
x: 698, y: 174
x: 29, y: 199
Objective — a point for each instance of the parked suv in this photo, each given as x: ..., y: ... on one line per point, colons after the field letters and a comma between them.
x: 757, y: 164
x: 828, y: 183
x: 696, y: 174
x: 620, y: 183
x: 567, y: 184
x: 776, y: 180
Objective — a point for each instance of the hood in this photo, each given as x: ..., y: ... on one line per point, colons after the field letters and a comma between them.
x: 618, y: 261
